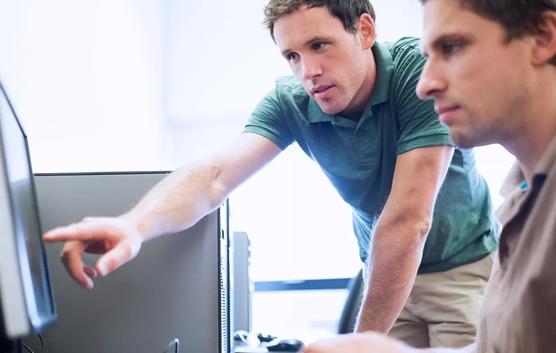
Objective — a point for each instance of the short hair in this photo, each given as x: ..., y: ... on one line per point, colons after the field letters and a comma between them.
x: 517, y: 17
x: 347, y: 11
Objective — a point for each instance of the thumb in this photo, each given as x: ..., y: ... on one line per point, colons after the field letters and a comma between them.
x: 116, y: 257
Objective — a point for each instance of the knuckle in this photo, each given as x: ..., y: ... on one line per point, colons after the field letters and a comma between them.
x: 65, y: 253
x: 127, y: 252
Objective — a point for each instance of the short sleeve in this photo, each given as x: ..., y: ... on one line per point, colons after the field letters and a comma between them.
x: 268, y: 121
x: 418, y: 123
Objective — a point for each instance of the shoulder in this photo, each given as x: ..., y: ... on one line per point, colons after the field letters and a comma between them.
x: 407, y: 63
x: 287, y: 99
x: 406, y: 56
x: 289, y: 95
x: 405, y: 46
x: 288, y: 87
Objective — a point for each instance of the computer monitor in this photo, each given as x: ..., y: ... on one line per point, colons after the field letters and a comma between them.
x: 242, y: 288
x: 26, y: 300
x: 178, y: 286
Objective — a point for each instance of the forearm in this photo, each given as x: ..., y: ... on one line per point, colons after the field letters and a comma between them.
x: 178, y: 201
x: 469, y: 349
x: 394, y: 258
x: 371, y: 342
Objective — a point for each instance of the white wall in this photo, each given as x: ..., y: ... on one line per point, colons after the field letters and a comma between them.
x: 85, y: 78
x: 220, y: 62
x: 396, y: 19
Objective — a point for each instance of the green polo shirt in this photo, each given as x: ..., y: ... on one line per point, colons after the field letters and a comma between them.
x: 359, y: 156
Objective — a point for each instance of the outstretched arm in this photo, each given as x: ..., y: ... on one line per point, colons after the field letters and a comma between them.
x: 174, y: 204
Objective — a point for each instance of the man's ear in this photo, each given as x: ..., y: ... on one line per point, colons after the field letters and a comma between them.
x: 366, y: 30
x: 545, y: 39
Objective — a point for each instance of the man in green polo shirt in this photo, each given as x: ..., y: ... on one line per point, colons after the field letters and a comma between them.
x: 421, y: 212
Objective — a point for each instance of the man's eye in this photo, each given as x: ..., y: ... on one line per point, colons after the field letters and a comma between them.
x: 292, y: 57
x: 319, y: 45
x: 451, y: 48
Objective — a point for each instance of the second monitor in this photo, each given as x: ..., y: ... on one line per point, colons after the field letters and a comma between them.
x: 177, y: 287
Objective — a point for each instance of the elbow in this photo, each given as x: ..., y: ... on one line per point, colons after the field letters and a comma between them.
x: 205, y: 186
x: 417, y: 230
x: 400, y: 240
x: 410, y: 229
x: 422, y: 227
x: 217, y: 195
x: 218, y: 191
x: 419, y: 226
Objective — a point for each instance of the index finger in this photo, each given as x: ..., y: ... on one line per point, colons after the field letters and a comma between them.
x: 76, y: 231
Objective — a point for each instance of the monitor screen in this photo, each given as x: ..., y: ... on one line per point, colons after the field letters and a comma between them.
x: 25, y: 290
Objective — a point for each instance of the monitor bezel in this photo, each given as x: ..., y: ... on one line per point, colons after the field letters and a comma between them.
x: 20, y: 316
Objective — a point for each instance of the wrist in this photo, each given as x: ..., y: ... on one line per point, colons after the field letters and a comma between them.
x: 140, y: 226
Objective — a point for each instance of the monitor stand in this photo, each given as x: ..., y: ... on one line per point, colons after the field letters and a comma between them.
x: 9, y: 346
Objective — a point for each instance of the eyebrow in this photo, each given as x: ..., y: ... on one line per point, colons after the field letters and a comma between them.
x: 443, y: 38
x: 449, y: 37
x: 309, y: 42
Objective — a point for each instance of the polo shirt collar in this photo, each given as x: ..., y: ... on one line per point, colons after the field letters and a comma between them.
x: 516, y: 190
x: 384, y: 68
x: 548, y: 160
x: 515, y: 176
x: 316, y: 115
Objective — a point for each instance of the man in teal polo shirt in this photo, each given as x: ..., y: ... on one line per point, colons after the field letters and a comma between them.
x: 352, y: 108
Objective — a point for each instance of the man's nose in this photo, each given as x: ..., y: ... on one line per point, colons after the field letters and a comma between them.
x: 311, y: 68
x: 430, y: 83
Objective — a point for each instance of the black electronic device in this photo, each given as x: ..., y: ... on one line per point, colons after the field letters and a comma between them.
x: 284, y: 345
x: 26, y: 299
x: 263, y: 338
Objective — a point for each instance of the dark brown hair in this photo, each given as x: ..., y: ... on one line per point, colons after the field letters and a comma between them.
x: 347, y: 11
x: 517, y: 17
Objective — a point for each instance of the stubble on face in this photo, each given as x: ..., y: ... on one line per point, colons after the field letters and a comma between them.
x: 330, y: 62
x: 481, y: 73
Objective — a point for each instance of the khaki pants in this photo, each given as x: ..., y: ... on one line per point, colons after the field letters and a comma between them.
x: 443, y: 307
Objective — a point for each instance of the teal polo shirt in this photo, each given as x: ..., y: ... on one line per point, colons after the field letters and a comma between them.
x: 359, y: 157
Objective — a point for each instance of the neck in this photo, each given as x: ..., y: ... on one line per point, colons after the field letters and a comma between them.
x: 361, y: 99
x: 531, y: 140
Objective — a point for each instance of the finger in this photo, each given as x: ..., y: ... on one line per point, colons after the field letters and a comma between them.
x: 95, y: 247
x: 90, y: 271
x: 311, y: 348
x: 115, y: 258
x: 71, y: 258
x: 76, y: 231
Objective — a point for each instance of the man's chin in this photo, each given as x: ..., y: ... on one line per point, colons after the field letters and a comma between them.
x: 329, y: 109
x: 468, y: 140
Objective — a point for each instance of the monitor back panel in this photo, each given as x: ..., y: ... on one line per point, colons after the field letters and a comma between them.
x: 171, y: 290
